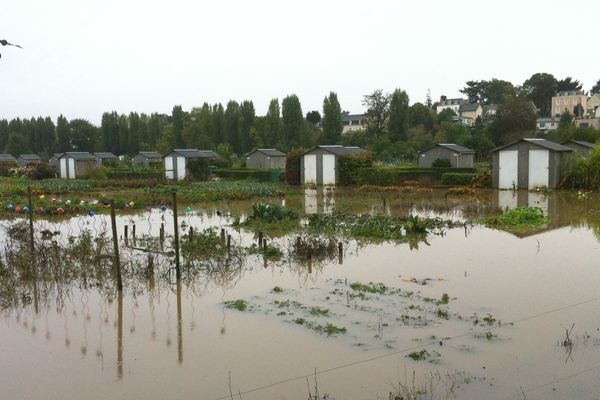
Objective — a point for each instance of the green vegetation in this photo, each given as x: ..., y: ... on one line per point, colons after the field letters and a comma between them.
x: 441, y: 163
x: 419, y: 355
x: 319, y: 312
x: 518, y: 219
x: 371, y: 287
x: 271, y: 213
x: 445, y: 299
x: 240, y: 305
x: 277, y: 289
x: 458, y: 179
x: 259, y: 175
x: 389, y: 176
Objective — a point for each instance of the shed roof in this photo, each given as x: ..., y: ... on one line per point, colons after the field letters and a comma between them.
x: 452, y: 147
x: 339, y: 150
x: 106, y: 155
x: 469, y: 107
x: 7, y: 157
x: 269, y: 152
x: 582, y: 143
x: 150, y: 154
x: 79, y: 155
x: 352, y: 117
x: 195, y: 153
x: 56, y: 155
x: 538, y: 142
x: 30, y: 157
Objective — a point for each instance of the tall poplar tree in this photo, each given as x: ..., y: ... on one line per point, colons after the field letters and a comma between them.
x: 293, y: 121
x: 332, y: 119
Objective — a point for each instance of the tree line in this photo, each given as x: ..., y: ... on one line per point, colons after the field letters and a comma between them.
x: 394, y: 128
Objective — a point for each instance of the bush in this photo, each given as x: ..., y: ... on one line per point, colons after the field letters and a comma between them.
x: 349, y: 164
x: 259, y: 175
x: 98, y: 173
x: 198, y: 169
x: 457, y: 178
x: 124, y: 174
x: 388, y: 176
x: 441, y: 163
x: 292, y: 166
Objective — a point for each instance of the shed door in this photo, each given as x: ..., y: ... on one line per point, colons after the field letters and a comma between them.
x: 310, y: 168
x: 71, y: 168
x: 328, y: 169
x: 63, y: 168
x: 539, y: 164
x: 508, y: 172
x: 180, y: 168
x: 169, y: 167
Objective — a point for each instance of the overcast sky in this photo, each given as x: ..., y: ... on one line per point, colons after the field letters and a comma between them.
x: 82, y: 58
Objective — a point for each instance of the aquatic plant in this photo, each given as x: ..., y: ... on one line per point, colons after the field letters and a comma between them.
x: 239, y: 304
x: 518, y: 219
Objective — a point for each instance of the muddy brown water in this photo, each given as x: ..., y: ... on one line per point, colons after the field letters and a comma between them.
x: 180, y: 342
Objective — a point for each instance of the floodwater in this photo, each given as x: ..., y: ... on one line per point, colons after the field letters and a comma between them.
x: 510, y: 301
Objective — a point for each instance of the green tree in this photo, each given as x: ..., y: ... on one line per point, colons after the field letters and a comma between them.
x: 109, y: 131
x: 123, y: 133
x: 231, y: 123
x: 540, y: 88
x: 84, y: 135
x: 178, y: 121
x: 497, y: 91
x: 63, y: 134
x: 247, y: 116
x: 3, y: 133
x: 399, y: 116
x: 596, y: 88
x: 17, y: 144
x: 292, y: 121
x: 566, y: 120
x: 378, y: 111
x: 216, y: 126
x: 314, y: 117
x: 273, y: 127
x: 332, y: 119
x: 420, y: 114
x: 568, y: 84
x: 135, y: 132
x: 475, y: 91
x: 514, y: 119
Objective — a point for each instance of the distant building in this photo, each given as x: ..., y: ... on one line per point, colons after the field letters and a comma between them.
x: 177, y: 162
x: 530, y: 163
x: 593, y: 106
x: 75, y: 164
x: 266, y: 159
x: 53, y: 161
x: 547, y: 124
x: 106, y: 158
x: 449, y: 104
x: 147, y: 159
x: 7, y: 159
x: 470, y: 110
x: 490, y: 110
x: 458, y: 156
x: 25, y: 159
x: 568, y: 101
x: 319, y: 165
x: 352, y: 122
x: 588, y: 123
x: 582, y: 147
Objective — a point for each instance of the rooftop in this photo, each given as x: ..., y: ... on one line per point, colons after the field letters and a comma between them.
x: 29, y: 157
x: 582, y: 143
x: 195, y: 153
x: 452, y: 147
x: 341, y: 150
x: 105, y: 155
x: 469, y: 107
x: 6, y: 157
x: 269, y: 152
x: 538, y: 142
x: 150, y: 154
x: 79, y: 155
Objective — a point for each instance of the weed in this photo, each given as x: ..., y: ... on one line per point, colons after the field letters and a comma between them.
x: 486, y: 335
x: 277, y: 289
x: 240, y: 305
x: 318, y: 311
x: 371, y: 287
x: 518, y: 219
x: 419, y: 355
x: 445, y: 299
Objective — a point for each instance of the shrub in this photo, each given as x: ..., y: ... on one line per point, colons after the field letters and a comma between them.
x: 441, y: 163
x: 457, y: 178
x: 124, y: 174
x: 198, y: 169
x: 292, y: 166
x: 98, y: 173
x: 349, y: 164
x: 260, y: 175
x: 270, y: 212
x: 389, y: 176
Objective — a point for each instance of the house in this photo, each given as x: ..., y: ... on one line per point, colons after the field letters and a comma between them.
x: 105, y: 158
x: 352, y: 122
x: 319, y: 165
x: 25, y: 159
x: 178, y: 161
x: 53, y: 161
x: 147, y: 159
x: 490, y: 110
x: 75, y: 164
x: 582, y: 147
x: 459, y: 156
x: 266, y: 159
x: 470, y: 110
x: 7, y: 159
x: 568, y: 101
x: 452, y: 104
x: 530, y: 163
x: 588, y: 123
x: 547, y: 124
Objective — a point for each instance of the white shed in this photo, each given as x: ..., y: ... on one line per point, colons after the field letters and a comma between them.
x: 319, y: 165
x: 74, y: 164
x: 177, y: 161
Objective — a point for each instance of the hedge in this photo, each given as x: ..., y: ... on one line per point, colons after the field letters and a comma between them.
x: 134, y: 174
x: 396, y: 176
x: 458, y: 178
x: 260, y: 175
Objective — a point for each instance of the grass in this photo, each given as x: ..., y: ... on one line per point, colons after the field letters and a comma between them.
x: 319, y: 312
x: 518, y: 219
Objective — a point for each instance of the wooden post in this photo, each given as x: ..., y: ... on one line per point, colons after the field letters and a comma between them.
x: 31, y: 243
x: 191, y: 233
x: 133, y: 231
x: 223, y: 234
x: 265, y: 244
x: 177, y: 268
x: 340, y: 253
x: 120, y: 334
x: 260, y: 238
x: 117, y: 259
x: 179, y: 325
x: 228, y: 243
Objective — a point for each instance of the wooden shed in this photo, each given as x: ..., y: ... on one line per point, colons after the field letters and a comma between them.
x: 176, y: 162
x: 75, y: 164
x: 53, y: 161
x: 530, y: 163
x: 320, y: 164
x: 147, y: 159
x: 7, y: 159
x: 25, y: 159
x: 459, y: 156
x: 106, y: 158
x: 582, y: 147
x: 266, y: 159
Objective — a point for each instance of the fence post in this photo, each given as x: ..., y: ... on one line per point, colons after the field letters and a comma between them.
x: 117, y: 259
x: 30, y: 222
x: 340, y: 253
x: 177, y: 269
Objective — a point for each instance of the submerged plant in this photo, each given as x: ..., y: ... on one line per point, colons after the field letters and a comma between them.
x: 518, y: 219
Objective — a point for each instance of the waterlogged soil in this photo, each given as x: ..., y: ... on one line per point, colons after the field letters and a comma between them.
x: 472, y: 313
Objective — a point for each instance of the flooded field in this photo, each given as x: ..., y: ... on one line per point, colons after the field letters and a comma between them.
x: 462, y: 311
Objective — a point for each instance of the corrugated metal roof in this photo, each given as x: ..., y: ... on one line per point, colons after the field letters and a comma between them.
x: 269, y: 152
x: 538, y: 142
x: 150, y: 154
x: 7, y: 157
x: 195, y: 153
x: 582, y: 143
x: 79, y: 155
x: 105, y: 155
x: 452, y: 147
x: 30, y: 157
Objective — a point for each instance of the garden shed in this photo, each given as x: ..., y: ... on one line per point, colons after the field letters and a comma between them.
x: 7, y: 159
x: 530, y: 163
x: 75, y: 164
x: 53, y: 161
x: 320, y: 164
x: 105, y: 158
x: 178, y: 161
x: 458, y: 156
x: 25, y: 159
x: 266, y: 159
x: 582, y: 147
x: 147, y: 159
